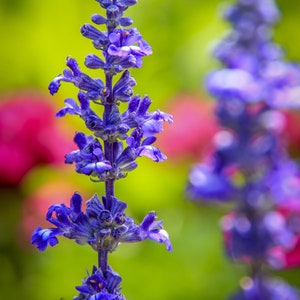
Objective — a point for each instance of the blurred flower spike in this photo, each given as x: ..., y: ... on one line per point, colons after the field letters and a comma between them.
x: 250, y: 166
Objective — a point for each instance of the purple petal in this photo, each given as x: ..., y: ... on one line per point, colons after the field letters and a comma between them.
x: 76, y: 202
x: 91, y: 32
x: 54, y: 85
x: 126, y: 21
x: 80, y: 140
x: 161, y: 236
x: 71, y: 108
x: 133, y: 104
x: 151, y: 152
x: 151, y: 127
x: 160, y: 115
x: 42, y: 237
x: 99, y: 167
x: 118, y: 51
x: 149, y: 140
x: 148, y: 221
x: 98, y: 19
x: 145, y: 47
x: 154, y: 230
x: 71, y: 157
x: 205, y: 183
x: 114, y: 38
x: 84, y: 102
x: 73, y: 65
x: 94, y: 62
x: 143, y: 106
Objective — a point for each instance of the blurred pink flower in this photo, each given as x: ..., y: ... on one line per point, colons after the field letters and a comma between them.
x: 292, y: 132
x: 193, y: 128
x: 292, y: 257
x: 29, y: 135
x: 289, y: 257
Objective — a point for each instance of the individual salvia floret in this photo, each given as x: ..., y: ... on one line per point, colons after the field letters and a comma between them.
x: 89, y: 159
x: 94, y: 88
x: 122, y: 90
x: 100, y: 39
x: 128, y: 43
x: 143, y: 147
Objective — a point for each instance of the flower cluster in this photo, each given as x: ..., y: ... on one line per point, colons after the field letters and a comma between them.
x: 136, y: 126
x: 117, y: 138
x: 250, y: 166
x: 99, y: 227
x: 99, y: 286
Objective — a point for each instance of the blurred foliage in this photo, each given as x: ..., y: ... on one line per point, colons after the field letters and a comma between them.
x: 36, y: 37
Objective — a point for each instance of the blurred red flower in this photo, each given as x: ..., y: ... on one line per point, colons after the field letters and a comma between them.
x: 193, y: 128
x: 290, y: 257
x: 292, y: 132
x: 29, y: 135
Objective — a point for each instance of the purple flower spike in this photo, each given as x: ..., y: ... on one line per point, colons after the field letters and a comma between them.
x: 118, y: 137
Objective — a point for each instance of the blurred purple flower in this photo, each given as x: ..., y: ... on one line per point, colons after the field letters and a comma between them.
x: 263, y: 289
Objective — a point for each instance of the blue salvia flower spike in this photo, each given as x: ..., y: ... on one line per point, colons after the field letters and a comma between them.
x: 111, y: 150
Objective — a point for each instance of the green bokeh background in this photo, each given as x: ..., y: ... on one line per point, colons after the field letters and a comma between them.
x: 36, y: 37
